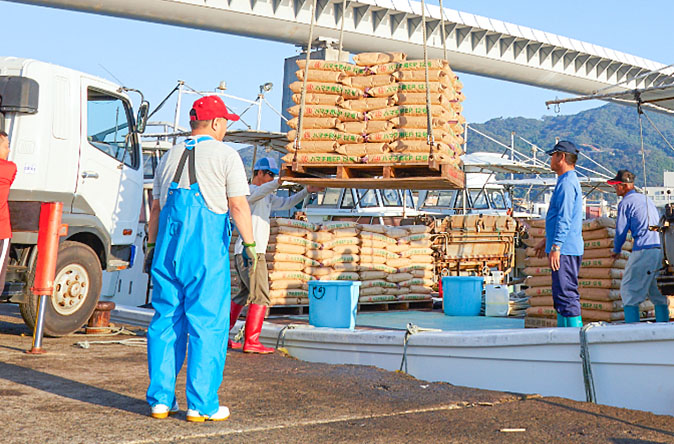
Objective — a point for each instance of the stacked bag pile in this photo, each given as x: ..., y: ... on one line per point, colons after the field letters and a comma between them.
x: 375, y: 111
x: 392, y: 263
x: 342, y: 246
x: 289, y: 255
x: 396, y: 263
x: 599, y: 277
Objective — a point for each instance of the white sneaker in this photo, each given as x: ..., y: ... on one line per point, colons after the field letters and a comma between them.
x: 161, y: 411
x: 220, y: 415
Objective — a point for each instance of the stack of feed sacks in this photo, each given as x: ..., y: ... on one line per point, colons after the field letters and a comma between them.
x: 417, y: 251
x: 392, y: 263
x: 375, y: 111
x: 598, y: 280
x: 600, y: 275
x: 396, y: 263
x: 287, y: 261
x: 378, y: 264
x: 539, y: 279
x: 344, y: 246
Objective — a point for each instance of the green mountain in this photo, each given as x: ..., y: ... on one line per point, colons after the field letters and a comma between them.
x: 608, y: 135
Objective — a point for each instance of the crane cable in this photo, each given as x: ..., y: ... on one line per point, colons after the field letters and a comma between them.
x: 442, y: 29
x: 303, y: 96
x: 430, y: 139
x: 341, y: 31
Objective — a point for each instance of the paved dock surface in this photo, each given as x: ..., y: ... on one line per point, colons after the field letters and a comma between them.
x: 97, y: 395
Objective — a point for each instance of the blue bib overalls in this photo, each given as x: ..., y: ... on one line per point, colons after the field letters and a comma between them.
x: 191, y: 295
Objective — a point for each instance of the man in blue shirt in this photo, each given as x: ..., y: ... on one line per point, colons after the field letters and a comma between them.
x: 563, y: 241
x: 636, y: 213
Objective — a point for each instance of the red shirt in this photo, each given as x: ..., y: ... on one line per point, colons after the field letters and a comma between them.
x: 7, y: 175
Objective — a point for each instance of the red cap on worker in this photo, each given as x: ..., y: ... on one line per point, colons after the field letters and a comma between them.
x: 209, y: 108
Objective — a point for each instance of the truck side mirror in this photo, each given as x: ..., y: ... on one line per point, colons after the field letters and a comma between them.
x: 141, y: 119
x: 19, y: 95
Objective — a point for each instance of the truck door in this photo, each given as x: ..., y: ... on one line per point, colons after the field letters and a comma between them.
x: 110, y: 175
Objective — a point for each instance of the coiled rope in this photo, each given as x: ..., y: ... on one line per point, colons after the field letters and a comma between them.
x: 588, y: 379
x: 412, y: 329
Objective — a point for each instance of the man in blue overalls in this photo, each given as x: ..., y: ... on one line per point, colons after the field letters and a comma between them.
x: 199, y: 183
x: 563, y: 241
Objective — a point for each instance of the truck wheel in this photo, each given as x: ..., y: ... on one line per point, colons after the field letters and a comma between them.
x: 77, y: 286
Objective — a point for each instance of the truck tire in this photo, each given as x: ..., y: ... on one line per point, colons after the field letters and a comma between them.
x: 77, y: 286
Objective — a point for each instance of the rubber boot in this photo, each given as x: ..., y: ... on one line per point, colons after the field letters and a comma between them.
x: 574, y: 321
x: 631, y: 314
x: 234, y: 312
x: 254, y: 321
x: 561, y: 320
x: 661, y: 313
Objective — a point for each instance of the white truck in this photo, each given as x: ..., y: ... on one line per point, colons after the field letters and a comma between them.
x: 74, y: 139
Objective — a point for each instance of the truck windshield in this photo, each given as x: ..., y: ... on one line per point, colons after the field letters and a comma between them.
x: 108, y: 122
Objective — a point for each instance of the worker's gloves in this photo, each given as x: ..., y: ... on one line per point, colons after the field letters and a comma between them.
x: 147, y: 264
x: 249, y: 256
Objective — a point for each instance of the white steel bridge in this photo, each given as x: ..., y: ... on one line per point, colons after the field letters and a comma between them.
x: 475, y: 44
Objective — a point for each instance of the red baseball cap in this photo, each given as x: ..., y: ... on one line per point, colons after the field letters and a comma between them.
x: 209, y: 108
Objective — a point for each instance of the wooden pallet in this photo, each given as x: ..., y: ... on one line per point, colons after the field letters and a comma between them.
x: 395, y: 305
x: 298, y: 310
x: 290, y: 310
x: 536, y: 322
x: 404, y: 175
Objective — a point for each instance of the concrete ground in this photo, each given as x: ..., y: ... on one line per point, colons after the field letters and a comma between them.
x: 96, y: 395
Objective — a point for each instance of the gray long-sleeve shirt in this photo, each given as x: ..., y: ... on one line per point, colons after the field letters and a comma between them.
x: 263, y: 201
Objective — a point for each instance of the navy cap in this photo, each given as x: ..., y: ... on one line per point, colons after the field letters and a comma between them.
x: 266, y: 163
x: 563, y: 146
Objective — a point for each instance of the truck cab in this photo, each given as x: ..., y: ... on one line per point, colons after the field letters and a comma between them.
x: 74, y: 139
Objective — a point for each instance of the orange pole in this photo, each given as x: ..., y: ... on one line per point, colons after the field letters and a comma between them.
x: 50, y: 229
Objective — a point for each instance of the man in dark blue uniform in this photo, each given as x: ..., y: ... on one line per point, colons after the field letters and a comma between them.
x: 563, y: 234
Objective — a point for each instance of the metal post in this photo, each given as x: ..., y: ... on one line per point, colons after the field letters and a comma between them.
x: 252, y: 164
x: 176, y: 118
x: 38, y: 333
x: 259, y: 111
x: 465, y: 139
x: 512, y: 151
x: 50, y: 229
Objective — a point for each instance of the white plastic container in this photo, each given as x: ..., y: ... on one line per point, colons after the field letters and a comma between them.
x: 496, y: 300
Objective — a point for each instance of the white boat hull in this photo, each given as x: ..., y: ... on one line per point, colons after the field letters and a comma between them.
x: 632, y: 365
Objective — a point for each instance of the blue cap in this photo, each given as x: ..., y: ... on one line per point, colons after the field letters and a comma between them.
x: 266, y: 163
x: 563, y: 146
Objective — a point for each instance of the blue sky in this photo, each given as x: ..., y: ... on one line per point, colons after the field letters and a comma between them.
x: 152, y: 57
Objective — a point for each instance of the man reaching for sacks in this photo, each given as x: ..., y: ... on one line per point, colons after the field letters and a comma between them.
x: 255, y: 282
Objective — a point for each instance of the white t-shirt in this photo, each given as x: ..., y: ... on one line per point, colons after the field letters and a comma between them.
x: 219, y: 170
x: 263, y: 201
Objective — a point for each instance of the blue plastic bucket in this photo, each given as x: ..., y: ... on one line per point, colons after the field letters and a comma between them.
x: 462, y: 295
x: 333, y: 303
